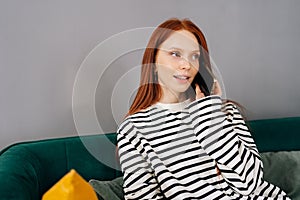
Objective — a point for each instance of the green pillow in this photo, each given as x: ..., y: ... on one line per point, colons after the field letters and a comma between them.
x: 108, y: 190
x: 283, y: 170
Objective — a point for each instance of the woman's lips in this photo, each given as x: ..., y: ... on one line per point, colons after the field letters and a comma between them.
x: 181, y: 78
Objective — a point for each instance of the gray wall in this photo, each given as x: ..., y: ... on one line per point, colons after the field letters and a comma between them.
x: 255, y: 45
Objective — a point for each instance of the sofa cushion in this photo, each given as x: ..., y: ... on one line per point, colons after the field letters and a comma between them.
x: 112, y: 190
x: 282, y: 169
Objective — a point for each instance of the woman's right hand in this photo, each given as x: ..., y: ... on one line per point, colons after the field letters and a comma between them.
x: 216, y: 90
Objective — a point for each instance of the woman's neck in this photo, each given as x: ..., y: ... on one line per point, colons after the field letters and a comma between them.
x: 172, y: 98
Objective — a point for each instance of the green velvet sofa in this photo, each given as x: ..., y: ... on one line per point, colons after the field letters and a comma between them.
x: 29, y: 169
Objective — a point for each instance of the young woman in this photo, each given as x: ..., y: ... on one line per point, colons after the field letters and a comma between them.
x: 181, y: 141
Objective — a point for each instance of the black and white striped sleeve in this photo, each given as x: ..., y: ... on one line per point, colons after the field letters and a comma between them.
x: 139, y: 182
x: 224, y: 136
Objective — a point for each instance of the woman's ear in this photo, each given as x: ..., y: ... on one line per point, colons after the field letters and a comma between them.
x: 155, y: 68
x: 155, y: 78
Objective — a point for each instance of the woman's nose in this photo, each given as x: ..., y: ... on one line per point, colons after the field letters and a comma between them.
x: 184, y: 64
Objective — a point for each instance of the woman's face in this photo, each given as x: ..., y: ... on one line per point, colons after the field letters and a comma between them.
x: 177, y: 63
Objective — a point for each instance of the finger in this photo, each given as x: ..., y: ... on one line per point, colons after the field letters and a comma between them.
x: 199, y: 93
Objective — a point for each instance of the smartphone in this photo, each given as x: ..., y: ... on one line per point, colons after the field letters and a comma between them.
x: 205, y: 79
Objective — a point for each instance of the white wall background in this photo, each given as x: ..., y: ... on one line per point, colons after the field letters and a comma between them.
x: 255, y: 44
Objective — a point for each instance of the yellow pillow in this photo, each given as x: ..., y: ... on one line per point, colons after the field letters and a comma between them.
x: 71, y: 187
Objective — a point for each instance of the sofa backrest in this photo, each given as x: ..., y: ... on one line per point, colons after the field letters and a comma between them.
x: 282, y: 134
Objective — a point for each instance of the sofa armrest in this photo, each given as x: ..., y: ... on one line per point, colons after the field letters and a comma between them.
x: 29, y: 169
x: 19, y: 171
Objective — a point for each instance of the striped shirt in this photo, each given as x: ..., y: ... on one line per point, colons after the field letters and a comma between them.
x: 202, y: 151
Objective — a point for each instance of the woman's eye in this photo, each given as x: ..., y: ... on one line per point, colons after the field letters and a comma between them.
x: 195, y: 56
x: 175, y: 54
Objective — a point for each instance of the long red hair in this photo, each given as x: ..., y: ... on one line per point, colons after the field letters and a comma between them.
x: 149, y: 91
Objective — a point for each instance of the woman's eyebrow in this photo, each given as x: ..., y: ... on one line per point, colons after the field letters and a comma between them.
x: 179, y: 49
x: 196, y: 51
x: 175, y: 48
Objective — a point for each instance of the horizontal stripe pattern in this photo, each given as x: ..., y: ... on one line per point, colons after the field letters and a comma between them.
x: 178, y: 155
